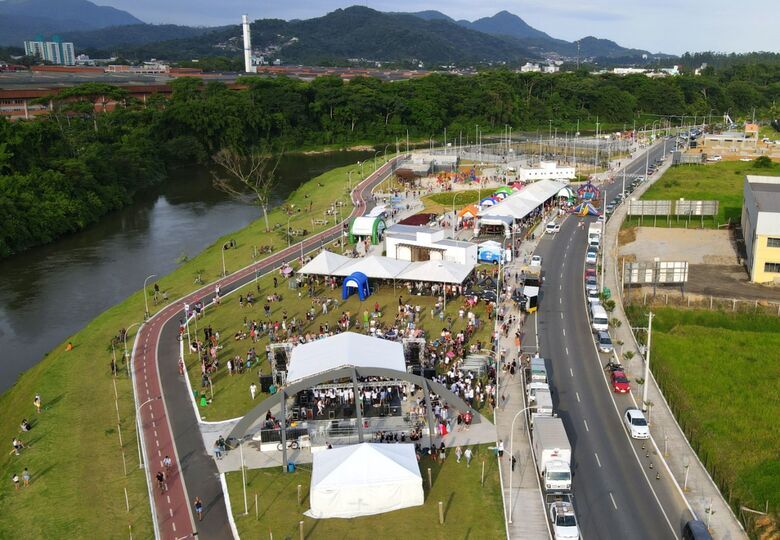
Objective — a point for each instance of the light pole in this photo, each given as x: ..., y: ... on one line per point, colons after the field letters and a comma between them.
x: 454, y: 216
x: 511, y: 456
x: 349, y: 174
x: 376, y: 155
x: 224, y: 271
x: 138, y: 428
x: 361, y: 168
x: 289, y: 216
x: 127, y: 356
x: 146, y: 297
x: 647, y: 360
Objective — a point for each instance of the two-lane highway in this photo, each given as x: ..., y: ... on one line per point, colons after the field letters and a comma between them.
x: 616, y: 494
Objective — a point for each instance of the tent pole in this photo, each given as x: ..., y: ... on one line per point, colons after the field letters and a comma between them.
x: 429, y: 412
x: 358, y: 401
x: 284, y: 430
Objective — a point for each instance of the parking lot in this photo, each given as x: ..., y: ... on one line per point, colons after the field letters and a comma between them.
x: 695, y: 246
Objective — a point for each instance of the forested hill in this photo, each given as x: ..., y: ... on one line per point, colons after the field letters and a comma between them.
x: 61, y: 173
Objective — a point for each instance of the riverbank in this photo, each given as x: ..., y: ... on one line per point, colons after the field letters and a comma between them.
x: 74, y: 452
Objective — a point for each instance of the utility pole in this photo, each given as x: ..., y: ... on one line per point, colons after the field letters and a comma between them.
x: 647, y: 361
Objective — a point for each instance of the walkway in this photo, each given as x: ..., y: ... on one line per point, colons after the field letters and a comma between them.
x: 701, y: 493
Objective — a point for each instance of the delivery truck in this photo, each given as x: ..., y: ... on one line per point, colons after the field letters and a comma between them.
x: 553, y: 454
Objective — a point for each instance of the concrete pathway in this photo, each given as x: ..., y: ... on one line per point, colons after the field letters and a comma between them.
x: 701, y: 493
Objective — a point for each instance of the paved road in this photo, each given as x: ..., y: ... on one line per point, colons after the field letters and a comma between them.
x: 173, y: 419
x: 615, y: 497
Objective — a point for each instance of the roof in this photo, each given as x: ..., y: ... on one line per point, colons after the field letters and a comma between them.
x: 402, y: 231
x: 365, y: 464
x: 325, y: 263
x: 523, y: 202
x: 437, y: 271
x: 347, y: 349
x: 363, y: 226
x: 418, y: 219
x: 766, y: 191
x: 373, y: 266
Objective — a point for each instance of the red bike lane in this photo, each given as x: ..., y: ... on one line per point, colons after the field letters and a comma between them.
x: 173, y: 509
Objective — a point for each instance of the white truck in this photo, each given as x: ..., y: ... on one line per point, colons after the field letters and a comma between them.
x: 594, y: 233
x: 553, y: 453
x: 543, y: 406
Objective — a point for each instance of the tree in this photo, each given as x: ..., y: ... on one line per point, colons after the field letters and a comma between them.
x: 251, y: 172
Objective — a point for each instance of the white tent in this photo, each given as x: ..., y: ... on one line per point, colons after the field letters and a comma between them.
x: 325, y: 264
x: 437, y: 271
x: 363, y: 480
x: 347, y: 349
x: 373, y: 266
x: 523, y: 202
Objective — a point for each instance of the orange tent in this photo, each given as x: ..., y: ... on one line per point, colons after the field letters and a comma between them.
x: 469, y: 211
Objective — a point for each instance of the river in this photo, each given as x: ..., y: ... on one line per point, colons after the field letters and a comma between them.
x: 50, y: 292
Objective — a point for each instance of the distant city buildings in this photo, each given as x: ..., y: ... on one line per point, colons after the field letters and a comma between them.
x: 55, y: 51
x: 551, y: 67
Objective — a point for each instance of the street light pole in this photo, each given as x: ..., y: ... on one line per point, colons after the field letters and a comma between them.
x: 138, y: 428
x: 453, y: 213
x: 127, y: 356
x: 224, y: 271
x: 288, y: 229
x: 146, y: 297
x: 647, y: 360
x: 511, y: 456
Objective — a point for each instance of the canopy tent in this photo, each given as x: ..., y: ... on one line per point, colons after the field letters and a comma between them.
x: 437, y: 271
x: 356, y: 280
x: 372, y: 227
x: 325, y: 264
x: 500, y: 195
x: 468, y: 212
x: 488, y: 201
x: 523, y: 202
x: 585, y: 209
x: 373, y: 266
x: 506, y: 190
x: 363, y: 480
x: 346, y: 349
x: 377, y: 211
x: 566, y: 192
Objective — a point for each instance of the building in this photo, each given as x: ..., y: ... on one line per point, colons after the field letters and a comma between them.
x: 55, y: 51
x: 528, y: 67
x: 547, y: 170
x: 410, y: 243
x: 761, y: 227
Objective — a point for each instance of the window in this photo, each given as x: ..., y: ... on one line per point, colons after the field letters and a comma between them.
x: 772, y: 242
x: 772, y: 267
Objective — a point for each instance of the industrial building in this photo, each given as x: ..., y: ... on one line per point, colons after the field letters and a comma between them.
x: 547, y: 170
x: 761, y: 227
x: 55, y: 51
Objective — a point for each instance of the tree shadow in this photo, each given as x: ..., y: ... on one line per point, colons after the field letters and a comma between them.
x: 52, y: 402
x: 40, y: 474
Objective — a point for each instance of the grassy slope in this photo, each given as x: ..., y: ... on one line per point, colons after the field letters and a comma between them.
x: 231, y: 394
x: 720, y: 372
x: 75, y: 458
x: 442, y: 202
x: 714, y: 181
x: 471, y: 511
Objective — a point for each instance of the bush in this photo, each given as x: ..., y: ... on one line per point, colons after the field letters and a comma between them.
x: 762, y: 162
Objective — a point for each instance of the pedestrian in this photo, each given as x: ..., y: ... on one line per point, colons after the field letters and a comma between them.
x: 253, y: 390
x: 15, y: 480
x: 167, y: 463
x: 458, y: 454
x: 514, y: 460
x: 26, y: 477
x: 467, y: 454
x: 276, y: 282
x: 217, y: 450
x: 37, y: 403
x: 161, y: 481
x: 17, y: 444
x: 198, y: 508
x: 500, y: 448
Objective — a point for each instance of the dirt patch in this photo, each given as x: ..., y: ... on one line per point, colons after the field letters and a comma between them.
x: 695, y: 246
x: 626, y: 236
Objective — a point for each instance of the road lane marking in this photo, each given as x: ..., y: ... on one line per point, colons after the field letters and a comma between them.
x: 561, y: 314
x: 561, y: 275
x: 155, y: 433
x: 571, y: 372
x: 564, y: 332
x: 560, y: 300
x: 174, y: 526
x: 169, y: 498
x: 560, y: 287
x: 157, y: 443
x: 586, y: 425
x: 597, y: 459
x: 170, y: 511
x: 567, y: 351
x: 578, y: 396
x: 613, y: 500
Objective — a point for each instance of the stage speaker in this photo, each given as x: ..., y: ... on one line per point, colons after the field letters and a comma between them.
x: 265, y: 383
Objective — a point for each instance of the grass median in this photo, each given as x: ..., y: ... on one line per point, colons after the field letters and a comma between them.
x: 719, y: 372
x: 722, y: 182
x: 471, y: 510
x: 73, y: 452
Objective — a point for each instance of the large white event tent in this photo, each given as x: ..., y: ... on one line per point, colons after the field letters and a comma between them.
x: 521, y: 203
x: 346, y: 349
x: 326, y: 263
x: 363, y: 480
x: 373, y: 266
x: 437, y: 271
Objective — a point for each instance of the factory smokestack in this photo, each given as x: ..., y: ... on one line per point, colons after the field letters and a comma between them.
x: 248, y: 67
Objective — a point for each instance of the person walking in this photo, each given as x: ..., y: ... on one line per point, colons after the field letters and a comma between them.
x: 467, y: 454
x: 198, y: 504
x: 26, y: 477
x: 252, y: 390
x: 167, y: 462
x: 37, y: 403
x: 458, y: 454
x: 500, y: 448
x: 15, y: 480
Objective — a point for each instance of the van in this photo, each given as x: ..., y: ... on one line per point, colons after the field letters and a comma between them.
x: 599, y: 318
x: 543, y: 405
x: 696, y: 529
x: 538, y: 370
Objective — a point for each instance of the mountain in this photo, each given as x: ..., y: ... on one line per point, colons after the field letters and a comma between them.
x: 22, y: 20
x: 504, y: 23
x: 430, y: 15
x: 591, y: 46
x: 118, y: 37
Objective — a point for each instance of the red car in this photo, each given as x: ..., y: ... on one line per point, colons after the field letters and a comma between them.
x: 590, y: 272
x: 620, y: 382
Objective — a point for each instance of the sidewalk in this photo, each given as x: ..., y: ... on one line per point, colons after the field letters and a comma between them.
x: 528, y: 514
x: 701, y: 493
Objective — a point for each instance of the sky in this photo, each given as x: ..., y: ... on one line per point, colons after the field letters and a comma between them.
x: 670, y: 26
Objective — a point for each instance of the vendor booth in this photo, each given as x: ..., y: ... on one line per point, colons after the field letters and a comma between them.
x: 357, y: 281
x: 366, y: 227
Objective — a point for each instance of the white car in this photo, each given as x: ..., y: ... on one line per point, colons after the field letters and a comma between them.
x: 593, y: 296
x: 536, y: 260
x: 591, y: 257
x: 564, y: 521
x: 532, y: 388
x: 637, y: 424
x: 552, y: 228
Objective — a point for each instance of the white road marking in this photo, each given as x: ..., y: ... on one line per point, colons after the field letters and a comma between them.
x: 578, y: 396
x: 567, y: 351
x: 560, y: 300
x: 586, y: 425
x: 159, y: 453
x: 154, y: 425
x: 155, y: 433
x: 173, y: 524
x: 597, y: 459
x: 170, y: 511
x: 571, y: 372
x: 157, y: 443
x: 564, y: 331
x: 169, y: 498
x: 561, y: 275
x: 613, y: 500
x: 561, y: 314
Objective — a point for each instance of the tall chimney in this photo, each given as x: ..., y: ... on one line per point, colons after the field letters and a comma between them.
x: 247, y: 45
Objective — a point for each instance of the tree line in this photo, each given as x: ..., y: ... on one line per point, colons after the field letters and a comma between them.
x: 62, y: 172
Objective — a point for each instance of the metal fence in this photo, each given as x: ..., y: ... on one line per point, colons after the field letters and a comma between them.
x: 699, y: 301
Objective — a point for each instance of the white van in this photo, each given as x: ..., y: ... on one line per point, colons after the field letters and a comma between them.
x: 599, y: 318
x: 532, y: 388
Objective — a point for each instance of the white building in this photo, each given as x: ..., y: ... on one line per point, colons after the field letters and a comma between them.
x: 528, y: 67
x: 547, y: 170
x: 411, y: 243
x: 55, y: 51
x: 551, y: 69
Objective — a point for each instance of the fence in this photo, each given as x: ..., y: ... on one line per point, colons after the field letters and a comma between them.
x: 699, y: 301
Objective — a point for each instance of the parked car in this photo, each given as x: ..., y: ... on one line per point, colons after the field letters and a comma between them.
x: 593, y: 296
x: 604, y: 342
x: 552, y: 228
x: 564, y: 521
x: 590, y: 282
x: 636, y: 424
x: 590, y: 272
x: 620, y: 382
x: 696, y: 529
x: 591, y: 257
x: 536, y: 260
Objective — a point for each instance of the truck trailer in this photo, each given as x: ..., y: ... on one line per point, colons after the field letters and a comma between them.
x: 553, y: 453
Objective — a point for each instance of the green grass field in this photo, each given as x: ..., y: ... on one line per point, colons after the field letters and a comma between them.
x: 471, y: 510
x: 74, y: 454
x: 231, y: 393
x: 442, y: 202
x: 719, y: 372
x: 721, y: 181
